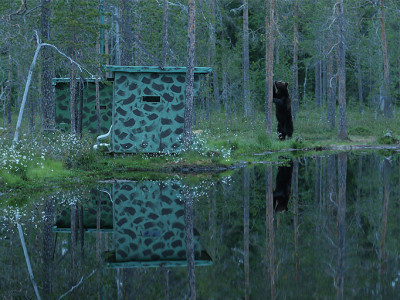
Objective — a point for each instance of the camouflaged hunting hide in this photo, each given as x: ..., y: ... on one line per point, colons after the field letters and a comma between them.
x: 89, y: 117
x: 146, y: 106
x: 149, y: 108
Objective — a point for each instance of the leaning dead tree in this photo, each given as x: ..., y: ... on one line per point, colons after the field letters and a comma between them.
x: 28, y: 81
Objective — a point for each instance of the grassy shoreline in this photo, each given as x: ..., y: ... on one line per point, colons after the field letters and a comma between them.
x: 59, y: 160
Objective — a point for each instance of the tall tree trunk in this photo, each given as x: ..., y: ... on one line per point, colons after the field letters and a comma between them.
x: 246, y: 62
x: 72, y: 104
x: 398, y: 63
x: 165, y: 34
x: 331, y: 111
x: 99, y: 50
x: 317, y: 83
x: 137, y: 28
x: 295, y: 91
x: 269, y: 63
x: 117, y: 39
x: 342, y: 124
x: 324, y: 71
x: 10, y: 83
x: 72, y: 82
x: 79, y: 104
x: 98, y: 116
x: 188, y: 123
x: 214, y: 57
x: 387, y: 109
x: 341, y: 215
x: 48, y: 102
x: 127, y: 41
x: 359, y: 79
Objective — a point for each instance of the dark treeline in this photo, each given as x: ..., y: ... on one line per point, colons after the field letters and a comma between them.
x: 305, y: 39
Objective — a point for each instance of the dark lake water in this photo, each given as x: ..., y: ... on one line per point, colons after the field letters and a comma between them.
x: 321, y: 227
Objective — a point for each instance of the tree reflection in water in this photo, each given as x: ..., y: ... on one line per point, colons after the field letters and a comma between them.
x: 333, y: 235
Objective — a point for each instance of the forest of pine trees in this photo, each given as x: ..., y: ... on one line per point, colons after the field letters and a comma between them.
x: 335, y: 55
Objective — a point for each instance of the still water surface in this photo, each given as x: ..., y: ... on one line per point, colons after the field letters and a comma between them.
x: 322, y: 227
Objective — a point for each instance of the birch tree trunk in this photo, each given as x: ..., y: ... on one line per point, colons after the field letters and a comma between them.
x: 246, y: 60
x: 188, y: 123
x: 342, y: 124
x: 387, y: 108
x: 48, y: 102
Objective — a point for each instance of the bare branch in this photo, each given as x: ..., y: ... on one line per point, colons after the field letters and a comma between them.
x: 237, y: 10
x: 28, y: 81
x: 29, y: 11
x: 69, y: 58
x: 23, y: 8
x: 75, y: 286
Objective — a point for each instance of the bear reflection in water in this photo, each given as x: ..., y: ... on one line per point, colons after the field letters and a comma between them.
x: 283, y: 187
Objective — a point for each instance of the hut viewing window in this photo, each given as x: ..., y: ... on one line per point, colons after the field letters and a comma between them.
x: 151, y: 99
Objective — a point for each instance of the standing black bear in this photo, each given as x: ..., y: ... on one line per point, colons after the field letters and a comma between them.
x: 283, y: 105
x: 283, y: 187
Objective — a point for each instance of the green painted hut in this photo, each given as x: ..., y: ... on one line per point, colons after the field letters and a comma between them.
x: 149, y: 107
x: 86, y: 106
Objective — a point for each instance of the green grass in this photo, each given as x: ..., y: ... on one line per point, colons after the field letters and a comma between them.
x: 49, y: 169
x: 244, y: 141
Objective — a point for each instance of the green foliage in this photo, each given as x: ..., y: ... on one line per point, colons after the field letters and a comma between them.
x: 387, y: 139
x: 359, y: 130
x: 8, y: 178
